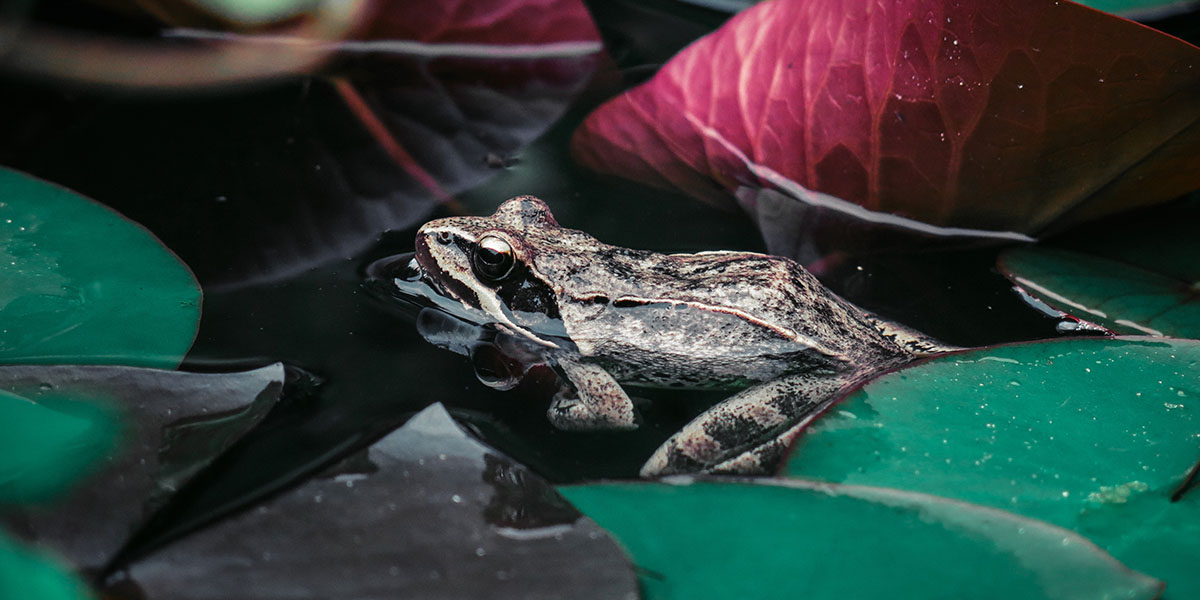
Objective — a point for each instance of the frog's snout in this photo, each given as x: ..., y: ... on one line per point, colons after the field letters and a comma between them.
x: 401, y: 266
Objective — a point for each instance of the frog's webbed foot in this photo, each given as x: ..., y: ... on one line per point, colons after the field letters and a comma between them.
x: 746, y: 433
x: 591, y: 400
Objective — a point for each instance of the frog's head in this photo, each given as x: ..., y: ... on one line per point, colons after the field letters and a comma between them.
x: 486, y: 264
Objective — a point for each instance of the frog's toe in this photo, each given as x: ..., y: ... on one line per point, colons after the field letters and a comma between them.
x: 569, y: 413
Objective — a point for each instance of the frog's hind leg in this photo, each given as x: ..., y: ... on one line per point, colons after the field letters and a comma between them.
x: 746, y: 433
x: 590, y: 400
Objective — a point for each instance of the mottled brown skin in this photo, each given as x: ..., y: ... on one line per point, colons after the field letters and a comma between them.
x: 605, y: 314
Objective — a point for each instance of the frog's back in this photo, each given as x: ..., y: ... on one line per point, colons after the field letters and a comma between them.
x: 722, y: 315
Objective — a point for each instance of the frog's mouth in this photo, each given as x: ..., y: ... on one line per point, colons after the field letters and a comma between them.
x: 400, y: 275
x: 401, y: 278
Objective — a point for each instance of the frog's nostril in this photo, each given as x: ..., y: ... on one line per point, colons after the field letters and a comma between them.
x: 443, y: 237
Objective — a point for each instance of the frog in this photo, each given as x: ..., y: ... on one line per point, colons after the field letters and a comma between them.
x: 606, y: 317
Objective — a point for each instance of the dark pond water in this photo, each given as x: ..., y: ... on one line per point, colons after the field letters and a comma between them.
x: 214, y: 173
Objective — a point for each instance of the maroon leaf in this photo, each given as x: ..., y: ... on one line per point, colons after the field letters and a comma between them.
x: 1002, y: 116
x: 428, y: 101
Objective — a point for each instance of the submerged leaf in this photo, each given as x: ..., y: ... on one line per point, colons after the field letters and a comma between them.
x: 80, y: 283
x: 426, y: 512
x: 781, y: 539
x: 978, y: 117
x: 174, y: 424
x: 1094, y: 435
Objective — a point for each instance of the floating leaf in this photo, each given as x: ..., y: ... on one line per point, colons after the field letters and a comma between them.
x: 426, y: 512
x: 47, y: 447
x: 175, y: 424
x: 1144, y: 10
x: 1094, y: 435
x: 427, y: 101
x: 79, y: 283
x: 24, y: 574
x: 779, y: 539
x: 1139, y: 276
x: 978, y: 117
x: 1116, y: 295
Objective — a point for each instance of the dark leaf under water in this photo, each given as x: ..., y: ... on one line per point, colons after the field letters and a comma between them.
x: 425, y: 512
x: 175, y: 424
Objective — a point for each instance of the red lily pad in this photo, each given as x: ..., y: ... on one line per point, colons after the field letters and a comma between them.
x: 975, y: 117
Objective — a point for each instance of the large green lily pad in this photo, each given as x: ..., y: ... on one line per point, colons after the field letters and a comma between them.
x: 779, y: 539
x: 1125, y: 297
x: 1094, y: 435
x: 79, y: 283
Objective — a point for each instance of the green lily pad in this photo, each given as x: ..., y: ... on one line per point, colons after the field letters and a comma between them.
x: 25, y: 574
x: 1123, y: 297
x: 50, y: 444
x: 1139, y: 9
x: 79, y: 283
x: 797, y: 539
x: 1094, y: 435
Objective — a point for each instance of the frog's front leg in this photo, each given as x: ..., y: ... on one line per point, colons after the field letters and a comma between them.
x: 590, y: 400
x: 746, y: 433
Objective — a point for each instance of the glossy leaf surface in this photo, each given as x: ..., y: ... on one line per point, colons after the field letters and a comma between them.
x: 25, y: 574
x: 426, y: 512
x: 1140, y: 9
x: 1011, y: 116
x: 1117, y: 295
x: 80, y: 283
x: 1136, y: 275
x: 777, y: 539
x: 1094, y: 435
x: 174, y: 424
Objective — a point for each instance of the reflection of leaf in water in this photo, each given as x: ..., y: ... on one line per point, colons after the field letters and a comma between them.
x: 523, y: 500
x: 266, y: 183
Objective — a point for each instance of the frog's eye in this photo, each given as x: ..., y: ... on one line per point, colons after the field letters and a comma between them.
x: 493, y: 259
